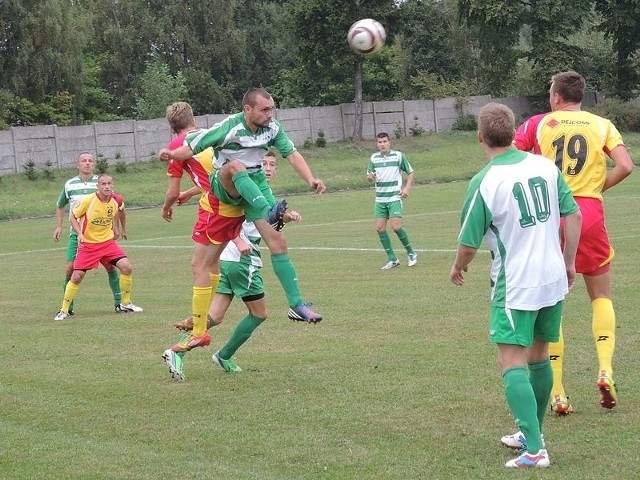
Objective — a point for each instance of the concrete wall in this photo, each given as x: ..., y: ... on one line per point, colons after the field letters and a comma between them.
x: 138, y: 140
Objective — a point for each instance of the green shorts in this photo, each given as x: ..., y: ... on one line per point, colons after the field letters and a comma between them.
x: 521, y: 327
x: 388, y: 209
x: 72, y: 247
x: 251, y: 213
x: 240, y: 279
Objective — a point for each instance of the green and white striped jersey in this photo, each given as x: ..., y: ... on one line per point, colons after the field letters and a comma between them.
x: 515, y: 204
x: 388, y: 169
x: 74, y: 190
x: 231, y: 139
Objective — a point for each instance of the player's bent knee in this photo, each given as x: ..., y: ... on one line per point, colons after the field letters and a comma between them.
x: 125, y: 268
x: 232, y: 167
x: 277, y: 243
x: 77, y: 276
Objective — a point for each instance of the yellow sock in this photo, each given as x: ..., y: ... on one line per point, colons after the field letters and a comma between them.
x: 199, y: 309
x: 215, y: 279
x: 126, y: 281
x: 604, y: 332
x: 70, y: 292
x: 556, y: 356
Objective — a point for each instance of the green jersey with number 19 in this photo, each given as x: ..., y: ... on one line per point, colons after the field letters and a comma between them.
x: 515, y: 204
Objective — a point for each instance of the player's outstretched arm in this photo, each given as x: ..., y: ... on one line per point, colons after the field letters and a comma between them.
x: 300, y: 166
x: 180, y: 153
x: 291, y: 216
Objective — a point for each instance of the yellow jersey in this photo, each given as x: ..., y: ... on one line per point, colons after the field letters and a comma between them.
x: 96, y: 217
x: 577, y: 141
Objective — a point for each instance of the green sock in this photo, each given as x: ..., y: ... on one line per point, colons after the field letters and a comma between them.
x: 66, y: 280
x: 240, y: 335
x: 522, y: 402
x: 114, y: 283
x: 541, y: 378
x: 404, y: 238
x: 286, y: 273
x: 252, y: 194
x: 386, y: 244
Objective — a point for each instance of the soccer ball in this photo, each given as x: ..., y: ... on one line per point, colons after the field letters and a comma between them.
x: 366, y: 36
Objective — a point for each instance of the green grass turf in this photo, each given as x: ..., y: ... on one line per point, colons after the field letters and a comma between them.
x: 399, y: 380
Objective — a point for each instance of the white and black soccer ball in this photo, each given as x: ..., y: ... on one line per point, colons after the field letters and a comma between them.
x: 366, y: 36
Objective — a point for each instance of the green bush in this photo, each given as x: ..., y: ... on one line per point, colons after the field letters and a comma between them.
x: 416, y: 130
x: 466, y: 123
x: 30, y: 170
x: 102, y: 165
x: 121, y: 167
x: 321, y: 141
x: 48, y: 171
x: 624, y: 115
x: 399, y: 131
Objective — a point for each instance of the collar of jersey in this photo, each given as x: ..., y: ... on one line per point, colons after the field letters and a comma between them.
x: 510, y: 157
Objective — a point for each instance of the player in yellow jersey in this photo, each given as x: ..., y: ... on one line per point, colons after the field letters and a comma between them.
x: 217, y: 223
x: 74, y: 190
x: 579, y: 142
x: 92, y: 219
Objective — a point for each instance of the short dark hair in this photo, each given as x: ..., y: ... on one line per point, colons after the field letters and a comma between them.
x: 249, y: 98
x: 569, y: 85
x: 382, y: 135
x: 497, y: 124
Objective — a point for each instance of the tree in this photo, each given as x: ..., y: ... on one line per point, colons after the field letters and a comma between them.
x: 96, y: 104
x: 427, y: 48
x: 16, y: 111
x: 552, y: 24
x: 196, y: 38
x: 595, y: 64
x: 206, y: 44
x: 84, y: 60
x: 621, y: 22
x: 41, y: 47
x: 509, y: 30
x: 497, y: 25
x: 332, y: 72
x: 267, y: 44
x: 157, y: 88
x: 124, y: 32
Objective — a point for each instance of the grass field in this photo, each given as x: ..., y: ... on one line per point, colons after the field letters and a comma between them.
x: 399, y: 380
